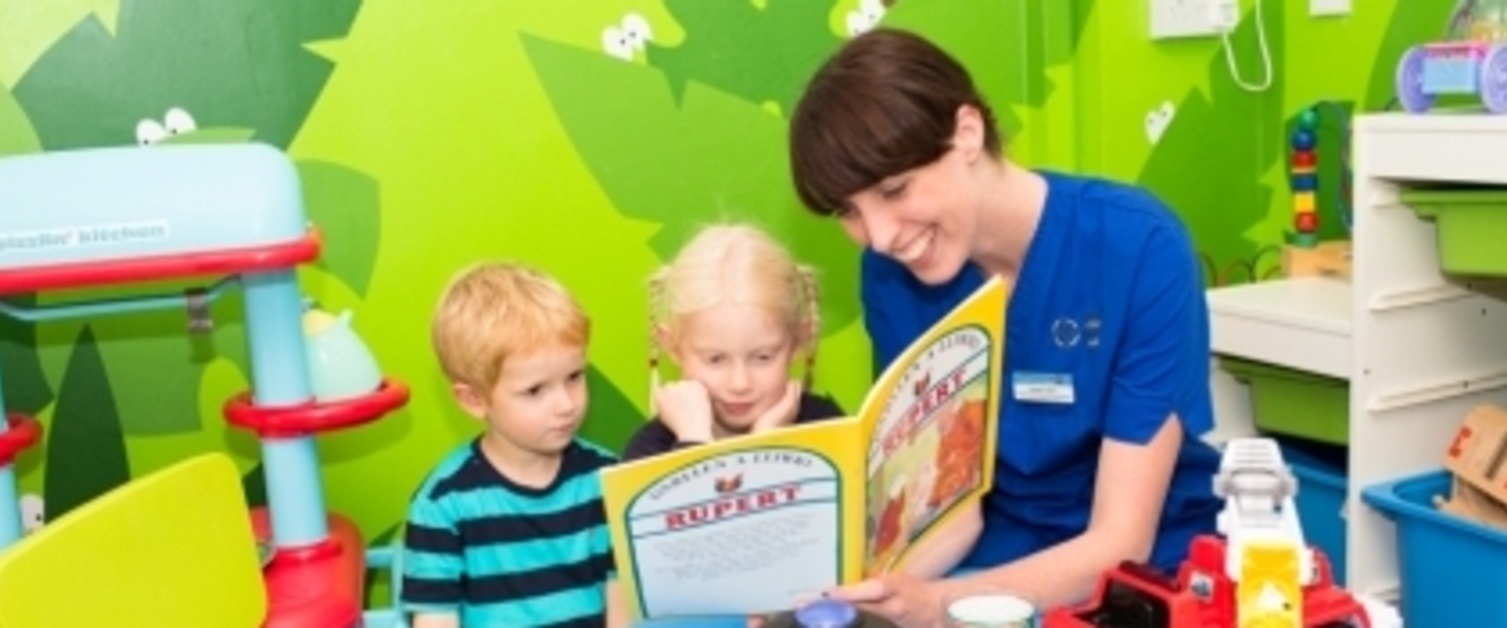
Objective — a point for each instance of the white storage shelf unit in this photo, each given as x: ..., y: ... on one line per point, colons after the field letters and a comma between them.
x: 1427, y: 347
x: 1419, y: 348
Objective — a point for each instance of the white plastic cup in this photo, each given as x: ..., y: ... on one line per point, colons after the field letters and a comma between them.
x: 993, y: 610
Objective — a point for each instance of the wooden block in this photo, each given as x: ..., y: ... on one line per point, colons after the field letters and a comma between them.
x: 1328, y: 259
x: 1478, y: 454
x: 1467, y: 502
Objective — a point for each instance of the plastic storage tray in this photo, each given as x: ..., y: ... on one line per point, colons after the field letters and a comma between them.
x: 1295, y: 403
x: 1453, y: 571
x: 1471, y: 224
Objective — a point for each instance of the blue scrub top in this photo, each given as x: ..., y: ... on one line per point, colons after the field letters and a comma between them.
x: 1109, y: 303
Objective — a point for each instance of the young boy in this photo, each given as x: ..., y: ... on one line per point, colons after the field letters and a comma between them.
x: 509, y: 529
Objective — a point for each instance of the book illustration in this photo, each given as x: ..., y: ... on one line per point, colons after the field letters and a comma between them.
x: 911, y: 502
x: 729, y: 484
x: 927, y: 452
x: 754, y: 523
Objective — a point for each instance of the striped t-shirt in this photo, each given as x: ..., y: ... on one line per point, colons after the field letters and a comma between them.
x: 499, y: 554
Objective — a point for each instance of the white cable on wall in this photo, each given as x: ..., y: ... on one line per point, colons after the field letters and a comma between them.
x: 1231, y: 16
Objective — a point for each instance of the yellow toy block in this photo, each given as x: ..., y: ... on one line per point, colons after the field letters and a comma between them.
x: 1269, y: 594
x: 1304, y: 202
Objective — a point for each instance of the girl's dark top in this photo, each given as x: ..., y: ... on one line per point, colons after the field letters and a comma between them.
x: 654, y: 438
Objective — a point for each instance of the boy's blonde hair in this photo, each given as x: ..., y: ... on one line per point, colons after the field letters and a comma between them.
x: 496, y: 310
x: 733, y: 263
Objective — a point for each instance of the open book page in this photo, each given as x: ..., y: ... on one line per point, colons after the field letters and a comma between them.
x: 754, y: 523
x: 745, y: 525
x: 930, y: 428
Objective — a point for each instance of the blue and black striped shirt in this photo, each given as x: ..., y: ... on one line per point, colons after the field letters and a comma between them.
x: 496, y: 553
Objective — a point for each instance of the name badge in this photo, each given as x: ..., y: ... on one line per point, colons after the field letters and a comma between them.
x: 1042, y: 387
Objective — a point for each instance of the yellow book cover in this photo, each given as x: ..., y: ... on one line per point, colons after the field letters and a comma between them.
x: 748, y: 524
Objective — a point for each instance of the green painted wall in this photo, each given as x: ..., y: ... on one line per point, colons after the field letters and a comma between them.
x: 432, y: 134
x: 1222, y: 159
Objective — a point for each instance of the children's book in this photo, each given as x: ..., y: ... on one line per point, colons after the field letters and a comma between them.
x: 753, y: 523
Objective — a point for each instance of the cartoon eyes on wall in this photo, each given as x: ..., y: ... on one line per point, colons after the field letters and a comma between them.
x: 866, y: 17
x: 622, y: 40
x: 1158, y: 119
x: 176, y: 121
x: 636, y: 29
x: 33, y: 512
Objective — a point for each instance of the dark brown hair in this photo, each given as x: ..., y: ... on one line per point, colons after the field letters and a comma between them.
x: 886, y: 102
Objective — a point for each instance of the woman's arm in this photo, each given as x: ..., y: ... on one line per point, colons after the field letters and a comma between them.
x: 945, y: 547
x: 1129, y: 491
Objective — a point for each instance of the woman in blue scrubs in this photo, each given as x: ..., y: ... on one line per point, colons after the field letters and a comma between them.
x: 1106, y: 386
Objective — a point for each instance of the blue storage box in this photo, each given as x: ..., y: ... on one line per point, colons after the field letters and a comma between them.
x: 1322, y: 486
x: 1453, y: 571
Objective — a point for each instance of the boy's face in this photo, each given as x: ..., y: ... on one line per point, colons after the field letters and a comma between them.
x: 741, y: 354
x: 538, y: 402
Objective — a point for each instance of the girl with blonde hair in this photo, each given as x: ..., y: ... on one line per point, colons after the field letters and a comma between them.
x: 734, y: 311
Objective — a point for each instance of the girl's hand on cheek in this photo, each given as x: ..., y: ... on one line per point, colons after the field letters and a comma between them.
x: 783, y: 412
x: 686, y: 409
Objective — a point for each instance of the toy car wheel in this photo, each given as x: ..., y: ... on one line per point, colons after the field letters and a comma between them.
x: 1494, y: 79
x: 1410, y: 82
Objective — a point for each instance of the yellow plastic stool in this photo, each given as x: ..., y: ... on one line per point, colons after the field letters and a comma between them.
x: 173, y: 548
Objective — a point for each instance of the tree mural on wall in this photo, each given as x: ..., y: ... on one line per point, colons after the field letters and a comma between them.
x: 87, y: 453
x: 1230, y: 198
x: 758, y: 54
x: 179, y: 71
x: 1412, y: 23
x: 232, y: 71
x: 693, y: 143
x: 697, y: 132
x: 607, y: 413
x: 236, y: 63
x: 239, y: 71
x: 26, y: 388
x: 1025, y: 38
x: 1202, y: 136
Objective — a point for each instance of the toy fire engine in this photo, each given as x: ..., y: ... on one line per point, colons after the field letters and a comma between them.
x: 1260, y: 574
